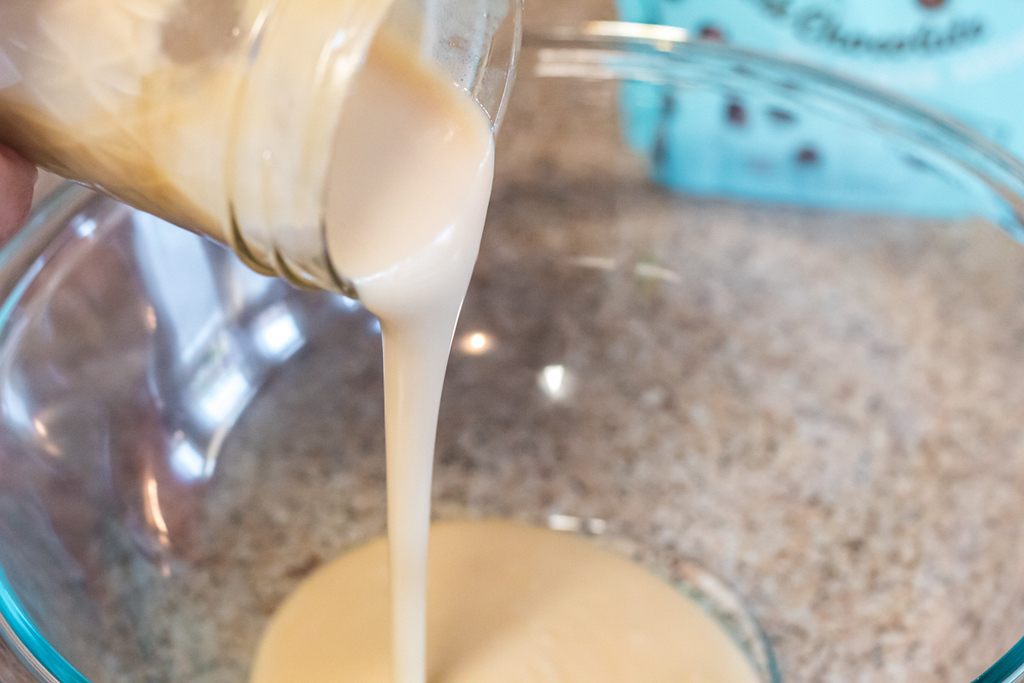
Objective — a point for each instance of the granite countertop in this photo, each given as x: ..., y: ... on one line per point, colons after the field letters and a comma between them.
x: 821, y: 409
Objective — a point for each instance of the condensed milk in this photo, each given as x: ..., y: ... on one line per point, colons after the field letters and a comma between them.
x: 406, y: 200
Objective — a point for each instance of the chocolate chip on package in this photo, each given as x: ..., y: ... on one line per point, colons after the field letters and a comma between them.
x: 963, y: 58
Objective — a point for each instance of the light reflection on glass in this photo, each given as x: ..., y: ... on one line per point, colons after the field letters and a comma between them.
x: 589, y: 525
x: 600, y: 63
x: 172, y: 261
x: 154, y: 515
x: 187, y: 463
x: 345, y: 303
x: 276, y: 333
x: 476, y: 343
x: 622, y: 29
x: 650, y: 271
x: 43, y: 441
x: 555, y: 381
x: 14, y: 407
x: 223, y: 398
x: 594, y: 262
x: 16, y: 415
x: 84, y: 227
x: 578, y: 63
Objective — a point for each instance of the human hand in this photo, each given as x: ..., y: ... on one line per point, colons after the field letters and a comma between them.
x: 17, y: 178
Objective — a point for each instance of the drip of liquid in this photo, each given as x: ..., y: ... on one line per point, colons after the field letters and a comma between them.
x: 508, y: 604
x: 406, y: 199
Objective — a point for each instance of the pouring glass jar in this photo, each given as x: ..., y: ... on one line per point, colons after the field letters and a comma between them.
x: 218, y: 115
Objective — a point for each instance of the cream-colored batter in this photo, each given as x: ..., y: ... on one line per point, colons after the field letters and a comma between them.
x: 506, y: 603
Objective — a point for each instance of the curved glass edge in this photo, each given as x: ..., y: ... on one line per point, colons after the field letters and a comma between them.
x: 724, y: 605
x: 1009, y: 668
x: 516, y: 40
x: 42, y: 226
x: 31, y: 647
x: 612, y: 50
x: 22, y: 257
x: 20, y: 261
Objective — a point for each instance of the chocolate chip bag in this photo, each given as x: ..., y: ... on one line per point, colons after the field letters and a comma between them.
x: 963, y: 58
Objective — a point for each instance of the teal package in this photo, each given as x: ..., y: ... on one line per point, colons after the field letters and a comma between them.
x: 962, y: 58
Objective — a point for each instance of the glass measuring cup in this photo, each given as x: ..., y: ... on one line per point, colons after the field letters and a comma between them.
x: 219, y: 115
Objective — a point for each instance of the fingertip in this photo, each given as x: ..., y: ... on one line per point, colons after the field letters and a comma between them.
x: 17, y: 181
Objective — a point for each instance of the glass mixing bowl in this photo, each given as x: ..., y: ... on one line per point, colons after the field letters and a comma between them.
x: 804, y: 417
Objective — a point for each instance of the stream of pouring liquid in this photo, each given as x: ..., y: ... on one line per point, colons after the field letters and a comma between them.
x: 406, y: 201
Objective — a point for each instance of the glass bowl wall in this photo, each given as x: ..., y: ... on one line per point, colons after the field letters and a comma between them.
x: 817, y: 406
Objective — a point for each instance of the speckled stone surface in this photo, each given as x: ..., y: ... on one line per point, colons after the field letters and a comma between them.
x: 821, y: 409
